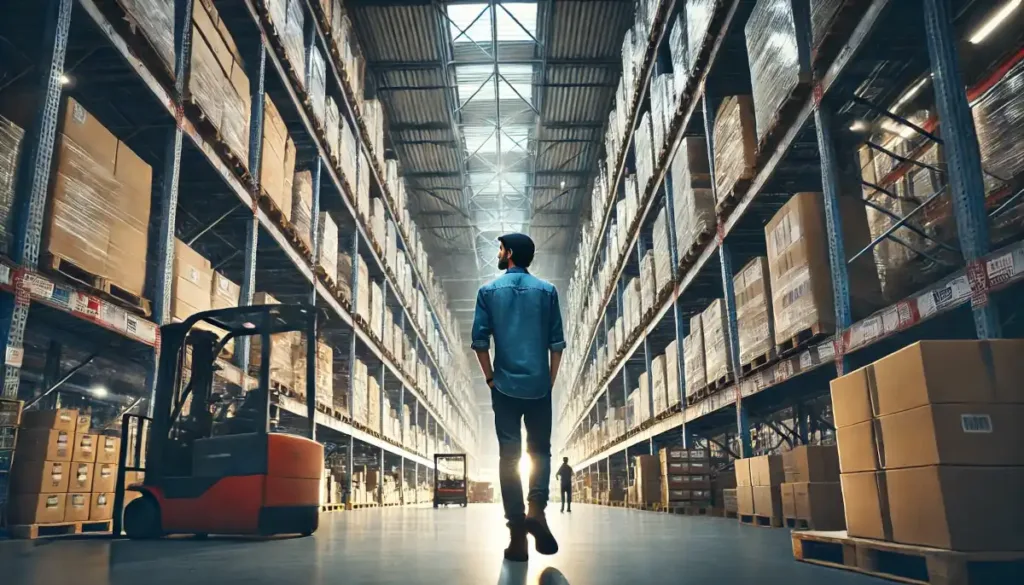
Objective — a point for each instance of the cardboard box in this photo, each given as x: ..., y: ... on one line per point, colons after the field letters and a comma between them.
x: 84, y: 449
x: 105, y: 477
x: 80, y: 477
x: 129, y: 225
x: 647, y: 478
x: 108, y: 449
x: 743, y: 472
x: 863, y: 506
x: 76, y: 507
x: 811, y: 463
x: 63, y: 419
x: 767, y: 470
x: 745, y: 500
x: 39, y: 477
x: 858, y: 448
x: 788, y: 502
x: 193, y: 281
x: 768, y: 501
x: 83, y: 422
x: 754, y: 321
x: 44, y: 444
x: 225, y: 293
x: 952, y: 434
x: 101, y: 506
x: 36, y: 508
x: 957, y: 507
x: 819, y: 504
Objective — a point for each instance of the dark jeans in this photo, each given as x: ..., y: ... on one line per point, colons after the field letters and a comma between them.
x: 510, y: 414
x: 567, y: 497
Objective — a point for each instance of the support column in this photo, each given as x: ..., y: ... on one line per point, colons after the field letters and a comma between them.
x: 256, y: 71
x: 352, y: 349
x: 641, y: 249
x: 682, y: 326
x: 312, y: 333
x: 960, y: 140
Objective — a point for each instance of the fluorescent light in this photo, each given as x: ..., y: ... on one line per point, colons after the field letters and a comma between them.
x: 562, y: 185
x: 913, y: 91
x: 99, y: 391
x: 859, y: 126
x: 993, y: 23
x: 64, y: 79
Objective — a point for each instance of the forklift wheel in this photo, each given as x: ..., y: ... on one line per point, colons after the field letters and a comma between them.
x: 142, y: 519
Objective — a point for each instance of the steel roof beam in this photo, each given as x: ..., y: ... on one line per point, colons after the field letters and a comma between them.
x: 410, y: 65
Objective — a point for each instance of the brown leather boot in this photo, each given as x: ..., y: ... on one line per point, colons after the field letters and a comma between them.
x: 518, y: 548
x: 537, y: 525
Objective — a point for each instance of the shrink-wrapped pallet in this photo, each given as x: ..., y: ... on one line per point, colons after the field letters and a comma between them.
x: 348, y: 155
x: 801, y: 280
x: 217, y: 84
x: 360, y: 404
x: 659, y: 105
x: 377, y: 310
x: 644, y: 151
x: 332, y: 122
x: 316, y: 86
x: 327, y: 233
x: 277, y: 160
x: 663, y: 273
x: 698, y: 20
x: 693, y: 358
x: 293, y: 37
x: 648, y: 289
x: 679, y: 53
x: 373, y: 116
x: 778, y: 38
x: 344, y: 280
x: 632, y: 206
x: 302, y: 206
x: 324, y: 373
x: 658, y: 390
x: 363, y: 180
x: 373, y: 403
x: 672, y: 374
x: 999, y: 120
x: 823, y: 14
x: 155, y: 20
x: 628, y: 70
x: 362, y: 292
x: 735, y: 145
x: 693, y: 201
x: 715, y: 323
x: 377, y: 221
x: 752, y: 286
x: 11, y: 136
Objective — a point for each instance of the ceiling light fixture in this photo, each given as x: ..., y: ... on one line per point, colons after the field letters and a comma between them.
x: 990, y: 25
x: 64, y: 79
x: 859, y: 126
x: 912, y: 92
x: 99, y: 391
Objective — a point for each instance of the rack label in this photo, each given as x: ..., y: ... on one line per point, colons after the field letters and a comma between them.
x: 14, y: 356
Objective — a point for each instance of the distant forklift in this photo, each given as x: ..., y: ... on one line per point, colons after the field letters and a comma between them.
x: 451, y: 484
x: 213, y: 463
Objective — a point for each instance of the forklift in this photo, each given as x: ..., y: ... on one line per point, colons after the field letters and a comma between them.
x: 451, y: 484
x: 214, y: 464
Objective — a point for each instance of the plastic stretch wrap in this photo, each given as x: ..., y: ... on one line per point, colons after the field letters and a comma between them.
x: 359, y: 393
x: 210, y: 87
x: 277, y: 166
x: 693, y: 357
x: 659, y: 105
x: 377, y: 310
x: 632, y: 207
x: 363, y: 291
x: 628, y: 73
x: 644, y: 150
x: 155, y: 20
x: 324, y: 373
x: 316, y: 85
x: 658, y: 385
x: 662, y: 255
x: 999, y: 119
x: 715, y: 323
x: 332, y: 123
x: 391, y: 244
x: 373, y: 115
x: 698, y: 19
x: 693, y: 200
x: 647, y: 285
x: 823, y: 13
x: 327, y: 233
x: 672, y: 374
x: 352, y: 59
x: 302, y: 206
x: 345, y: 275
x: 292, y: 37
x: 348, y: 154
x: 735, y: 144
x: 679, y: 53
x: 752, y: 286
x: 11, y: 137
x: 363, y: 173
x: 780, y: 61
x: 643, y: 397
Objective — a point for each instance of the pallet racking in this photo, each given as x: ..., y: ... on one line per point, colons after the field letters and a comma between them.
x: 203, y: 194
x: 807, y: 149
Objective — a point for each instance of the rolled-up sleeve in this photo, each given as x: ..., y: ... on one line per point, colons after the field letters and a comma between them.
x: 481, y: 324
x: 556, y: 338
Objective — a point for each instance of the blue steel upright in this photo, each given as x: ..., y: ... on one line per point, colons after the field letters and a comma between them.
x: 352, y: 354
x: 677, y: 313
x: 963, y: 157
x: 31, y: 189
x: 314, y: 228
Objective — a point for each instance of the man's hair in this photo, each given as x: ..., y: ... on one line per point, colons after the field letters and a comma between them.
x: 565, y: 459
x: 522, y: 248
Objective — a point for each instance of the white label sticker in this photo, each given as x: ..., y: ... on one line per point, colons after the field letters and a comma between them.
x: 14, y: 356
x: 78, y: 114
x: 1000, y: 269
x: 926, y: 305
x: 976, y: 423
x: 5, y: 274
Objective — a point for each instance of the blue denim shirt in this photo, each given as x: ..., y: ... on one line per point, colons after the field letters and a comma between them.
x: 521, y: 312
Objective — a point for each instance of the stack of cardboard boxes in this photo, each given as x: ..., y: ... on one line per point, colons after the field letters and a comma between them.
x: 811, y: 496
x: 62, y: 471
x: 685, y: 477
x: 930, y: 446
x: 759, y: 489
x: 646, y: 488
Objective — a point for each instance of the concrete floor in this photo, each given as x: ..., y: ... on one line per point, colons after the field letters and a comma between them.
x: 599, y: 546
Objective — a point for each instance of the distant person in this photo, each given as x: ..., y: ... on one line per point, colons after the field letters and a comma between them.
x: 520, y: 311
x: 565, y: 474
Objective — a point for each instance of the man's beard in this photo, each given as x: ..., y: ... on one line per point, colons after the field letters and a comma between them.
x: 503, y: 264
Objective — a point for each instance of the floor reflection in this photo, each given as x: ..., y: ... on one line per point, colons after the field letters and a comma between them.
x: 531, y: 573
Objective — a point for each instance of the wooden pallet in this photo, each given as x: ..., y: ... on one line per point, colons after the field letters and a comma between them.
x: 907, y: 563
x: 838, y: 31
x: 783, y: 119
x: 34, y: 531
x: 688, y: 256
x: 99, y: 285
x: 730, y: 514
x: 726, y: 202
x: 207, y: 129
x: 689, y: 510
x: 761, y: 521
x: 719, y: 383
x: 796, y: 523
x: 758, y: 362
x: 697, y: 395
x: 803, y: 338
x: 332, y: 508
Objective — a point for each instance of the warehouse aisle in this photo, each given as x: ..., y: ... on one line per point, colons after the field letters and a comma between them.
x: 600, y: 546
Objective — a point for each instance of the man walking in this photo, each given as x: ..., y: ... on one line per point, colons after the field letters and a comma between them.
x: 565, y: 475
x: 521, y: 313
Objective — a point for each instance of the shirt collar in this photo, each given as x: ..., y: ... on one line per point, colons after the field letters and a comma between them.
x: 515, y: 270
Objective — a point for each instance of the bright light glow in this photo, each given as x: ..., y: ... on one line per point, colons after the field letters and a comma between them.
x: 913, y: 91
x: 99, y: 391
x: 64, y: 79
x: 562, y: 186
x: 525, y: 467
x: 248, y: 325
x: 993, y: 23
x: 859, y: 126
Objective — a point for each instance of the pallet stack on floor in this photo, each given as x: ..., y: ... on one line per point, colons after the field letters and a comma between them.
x: 929, y: 450
x: 685, y: 478
x: 63, y: 476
